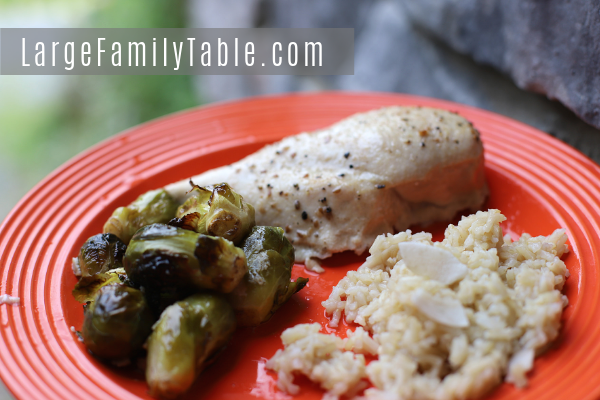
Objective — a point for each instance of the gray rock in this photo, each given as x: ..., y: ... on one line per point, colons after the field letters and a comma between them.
x: 546, y: 46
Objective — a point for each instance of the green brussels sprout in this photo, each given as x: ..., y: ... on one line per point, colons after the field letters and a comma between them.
x: 85, y: 290
x: 117, y: 323
x: 222, y: 265
x: 192, y: 214
x: 197, y: 202
x: 101, y: 253
x: 165, y: 258
x: 267, y: 285
x: 185, y: 340
x: 220, y: 212
x: 160, y: 261
x: 229, y: 216
x: 155, y: 206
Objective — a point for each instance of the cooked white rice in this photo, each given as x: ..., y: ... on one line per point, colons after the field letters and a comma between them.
x: 320, y: 357
x: 440, y: 330
x: 8, y: 299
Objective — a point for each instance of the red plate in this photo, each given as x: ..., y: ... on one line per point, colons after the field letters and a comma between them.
x: 538, y: 182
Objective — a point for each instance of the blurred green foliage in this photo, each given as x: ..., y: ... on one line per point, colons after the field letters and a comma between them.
x: 42, y: 128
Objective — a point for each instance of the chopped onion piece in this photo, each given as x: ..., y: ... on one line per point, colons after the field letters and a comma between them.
x: 432, y: 263
x: 446, y: 311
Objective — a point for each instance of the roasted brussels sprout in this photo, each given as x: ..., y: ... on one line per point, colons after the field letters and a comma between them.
x: 101, y: 253
x: 185, y: 339
x: 117, y: 323
x: 85, y: 290
x: 220, y: 212
x: 188, y: 274
x: 160, y: 261
x: 192, y: 214
x: 155, y: 206
x: 267, y: 285
x: 162, y: 253
x: 162, y: 256
x: 222, y: 265
x: 229, y: 216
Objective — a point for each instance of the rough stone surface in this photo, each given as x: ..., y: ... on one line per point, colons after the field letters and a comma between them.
x: 547, y: 46
x: 397, y: 49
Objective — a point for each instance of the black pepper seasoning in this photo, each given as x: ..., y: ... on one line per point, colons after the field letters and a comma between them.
x: 379, y: 186
x: 351, y: 166
x: 304, y: 215
x: 346, y: 155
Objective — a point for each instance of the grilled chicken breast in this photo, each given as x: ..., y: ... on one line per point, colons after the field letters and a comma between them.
x: 381, y: 171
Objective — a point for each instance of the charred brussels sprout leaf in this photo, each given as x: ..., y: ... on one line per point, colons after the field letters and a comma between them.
x: 117, y: 323
x: 191, y: 222
x: 229, y: 216
x: 267, y: 285
x: 85, y: 290
x: 170, y: 262
x: 216, y: 211
x: 184, y: 340
x: 101, y: 253
x: 155, y: 206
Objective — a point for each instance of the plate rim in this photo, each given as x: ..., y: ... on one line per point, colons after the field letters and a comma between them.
x: 156, y: 122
